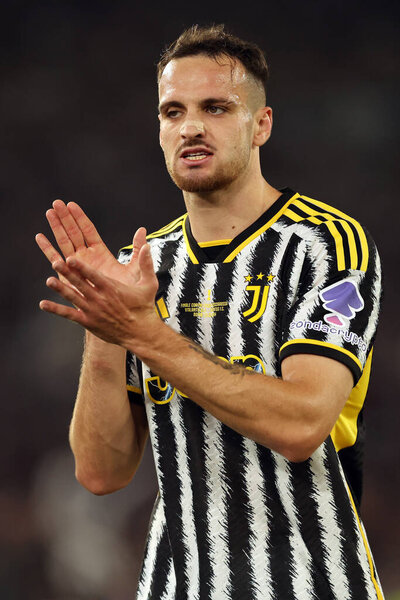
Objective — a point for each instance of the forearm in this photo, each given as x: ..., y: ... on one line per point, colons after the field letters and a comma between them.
x: 279, y: 414
x: 103, y: 437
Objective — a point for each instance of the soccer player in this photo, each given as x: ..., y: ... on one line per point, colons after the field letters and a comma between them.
x: 240, y: 337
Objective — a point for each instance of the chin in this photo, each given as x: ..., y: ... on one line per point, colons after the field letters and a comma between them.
x: 202, y: 184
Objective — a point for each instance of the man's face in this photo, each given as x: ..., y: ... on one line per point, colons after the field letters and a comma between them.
x: 206, y: 125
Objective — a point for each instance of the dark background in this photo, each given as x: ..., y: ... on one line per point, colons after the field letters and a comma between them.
x: 78, y: 120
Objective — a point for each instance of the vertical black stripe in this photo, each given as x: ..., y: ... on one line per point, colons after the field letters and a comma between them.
x: 358, y: 244
x: 161, y: 568
x: 278, y: 540
x: 171, y: 486
x: 238, y: 515
x: 347, y: 523
x: 193, y: 417
x: 310, y: 528
x: 346, y: 246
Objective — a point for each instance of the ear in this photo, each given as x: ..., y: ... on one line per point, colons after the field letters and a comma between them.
x: 263, y: 126
x: 159, y: 135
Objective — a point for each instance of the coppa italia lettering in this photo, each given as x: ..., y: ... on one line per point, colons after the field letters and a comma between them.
x: 348, y: 336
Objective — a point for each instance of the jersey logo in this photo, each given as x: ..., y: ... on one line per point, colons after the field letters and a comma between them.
x: 343, y: 300
x: 162, y: 392
x: 260, y: 296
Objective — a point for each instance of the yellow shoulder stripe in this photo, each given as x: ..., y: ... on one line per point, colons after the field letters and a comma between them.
x: 343, y: 218
x: 168, y: 228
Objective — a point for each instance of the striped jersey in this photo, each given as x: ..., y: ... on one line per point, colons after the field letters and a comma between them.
x: 234, y: 520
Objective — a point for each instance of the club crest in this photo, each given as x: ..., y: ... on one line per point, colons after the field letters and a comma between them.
x: 259, y: 295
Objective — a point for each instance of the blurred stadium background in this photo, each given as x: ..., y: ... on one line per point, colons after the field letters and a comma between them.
x: 78, y: 121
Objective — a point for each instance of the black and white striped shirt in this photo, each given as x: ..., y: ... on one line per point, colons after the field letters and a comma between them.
x: 235, y: 520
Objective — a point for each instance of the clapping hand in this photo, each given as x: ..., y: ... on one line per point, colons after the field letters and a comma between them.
x: 111, y: 300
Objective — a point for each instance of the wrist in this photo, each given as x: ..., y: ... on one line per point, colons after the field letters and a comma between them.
x: 150, y: 339
x: 97, y: 349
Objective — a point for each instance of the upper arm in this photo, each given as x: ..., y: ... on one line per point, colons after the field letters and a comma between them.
x: 325, y: 385
x: 141, y: 429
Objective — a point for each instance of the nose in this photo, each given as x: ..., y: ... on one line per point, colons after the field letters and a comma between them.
x: 191, y: 128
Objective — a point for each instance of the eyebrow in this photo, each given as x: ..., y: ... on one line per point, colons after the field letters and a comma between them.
x: 206, y: 102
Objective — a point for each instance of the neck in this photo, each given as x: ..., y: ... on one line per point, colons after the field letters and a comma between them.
x: 224, y: 214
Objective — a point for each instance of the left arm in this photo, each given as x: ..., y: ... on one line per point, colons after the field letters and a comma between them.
x: 292, y: 415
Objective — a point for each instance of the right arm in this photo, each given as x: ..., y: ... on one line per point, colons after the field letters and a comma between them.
x: 107, y: 434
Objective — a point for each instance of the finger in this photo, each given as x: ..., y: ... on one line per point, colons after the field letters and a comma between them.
x: 87, y: 272
x: 68, y: 293
x: 62, y: 239
x: 72, y: 314
x: 147, y: 274
x: 71, y: 227
x: 88, y: 230
x: 139, y: 239
x: 47, y: 248
x: 74, y: 279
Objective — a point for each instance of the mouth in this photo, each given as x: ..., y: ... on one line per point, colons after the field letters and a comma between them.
x: 196, y: 156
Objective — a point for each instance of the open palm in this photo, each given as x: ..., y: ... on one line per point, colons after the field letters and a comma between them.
x: 77, y: 237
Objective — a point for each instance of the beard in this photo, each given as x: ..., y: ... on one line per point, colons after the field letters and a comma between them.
x: 194, y: 181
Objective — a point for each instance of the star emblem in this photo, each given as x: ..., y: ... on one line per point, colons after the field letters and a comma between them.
x: 260, y: 275
x: 248, y: 278
x: 270, y: 278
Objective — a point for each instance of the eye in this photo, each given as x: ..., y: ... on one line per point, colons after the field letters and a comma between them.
x: 215, y: 110
x: 173, y: 114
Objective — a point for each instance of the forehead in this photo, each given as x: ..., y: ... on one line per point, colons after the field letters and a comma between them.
x: 193, y: 77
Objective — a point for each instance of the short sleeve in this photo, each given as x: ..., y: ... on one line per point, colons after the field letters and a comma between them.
x: 334, y: 311
x: 133, y: 379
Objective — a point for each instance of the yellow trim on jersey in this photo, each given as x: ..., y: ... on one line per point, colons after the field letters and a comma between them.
x: 259, y: 231
x: 335, y: 233
x: 344, y: 432
x: 132, y: 388
x: 352, y: 244
x: 294, y: 216
x: 214, y: 243
x: 360, y: 230
x: 327, y: 345
x: 188, y: 248
x: 162, y: 308
x: 366, y: 546
x: 168, y: 228
x: 341, y: 263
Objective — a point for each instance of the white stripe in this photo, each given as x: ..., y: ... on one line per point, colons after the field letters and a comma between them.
x: 259, y: 518
x: 157, y: 528
x: 217, y: 501
x: 301, y: 560
x: 237, y: 302
x: 177, y: 274
x: 217, y: 519
x: 330, y: 532
x: 208, y: 282
x: 266, y: 339
x: 189, y: 537
x: 170, y: 587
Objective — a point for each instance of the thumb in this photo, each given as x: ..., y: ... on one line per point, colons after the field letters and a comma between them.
x: 147, y: 273
x: 139, y: 239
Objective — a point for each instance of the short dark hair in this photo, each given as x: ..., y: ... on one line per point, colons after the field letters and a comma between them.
x: 214, y: 41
